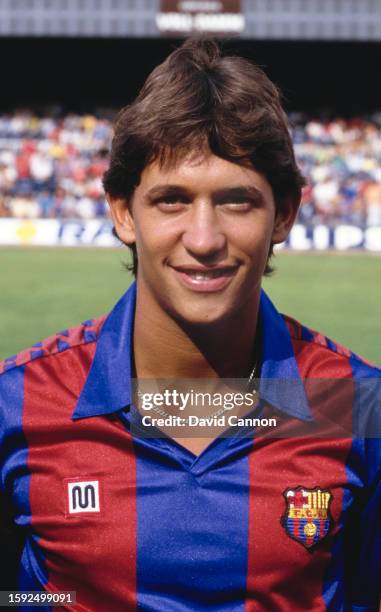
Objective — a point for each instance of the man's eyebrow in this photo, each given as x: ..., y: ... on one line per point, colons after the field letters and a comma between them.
x: 168, y: 190
x: 236, y: 191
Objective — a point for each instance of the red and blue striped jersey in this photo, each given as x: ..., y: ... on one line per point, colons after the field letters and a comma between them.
x: 254, y: 523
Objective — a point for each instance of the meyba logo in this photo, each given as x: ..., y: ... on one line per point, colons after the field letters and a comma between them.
x: 83, y: 496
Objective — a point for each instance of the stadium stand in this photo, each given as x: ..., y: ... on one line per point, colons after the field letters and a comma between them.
x: 52, y: 167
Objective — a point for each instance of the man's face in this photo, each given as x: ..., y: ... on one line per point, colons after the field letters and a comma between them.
x: 203, y: 230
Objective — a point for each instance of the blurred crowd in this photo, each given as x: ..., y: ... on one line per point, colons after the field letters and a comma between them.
x: 341, y: 160
x: 52, y: 167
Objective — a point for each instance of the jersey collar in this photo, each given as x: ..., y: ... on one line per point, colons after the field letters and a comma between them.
x: 108, y: 385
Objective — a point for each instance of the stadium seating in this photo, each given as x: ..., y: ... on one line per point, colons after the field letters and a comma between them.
x: 51, y: 167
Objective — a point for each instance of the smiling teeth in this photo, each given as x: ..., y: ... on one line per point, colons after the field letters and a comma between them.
x: 200, y: 276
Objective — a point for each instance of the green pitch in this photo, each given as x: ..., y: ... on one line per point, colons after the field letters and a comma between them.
x: 45, y: 290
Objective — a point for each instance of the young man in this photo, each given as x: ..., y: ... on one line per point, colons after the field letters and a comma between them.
x: 202, y: 183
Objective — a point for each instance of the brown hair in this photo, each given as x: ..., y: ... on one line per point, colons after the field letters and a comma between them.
x: 198, y: 98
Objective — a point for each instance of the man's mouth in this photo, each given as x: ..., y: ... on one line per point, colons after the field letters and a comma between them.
x: 205, y: 279
x: 208, y: 273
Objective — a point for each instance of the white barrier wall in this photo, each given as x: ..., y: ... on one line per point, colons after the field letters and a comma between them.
x: 340, y: 238
x: 52, y: 232
x: 98, y: 232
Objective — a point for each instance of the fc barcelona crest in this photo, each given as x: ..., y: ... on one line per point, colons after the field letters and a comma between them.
x: 307, y: 518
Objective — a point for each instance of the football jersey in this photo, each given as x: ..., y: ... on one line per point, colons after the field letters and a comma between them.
x: 289, y: 521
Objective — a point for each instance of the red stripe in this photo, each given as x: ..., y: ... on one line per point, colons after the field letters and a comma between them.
x: 75, y: 336
x: 26, y: 355
x: 329, y: 386
x: 93, y: 554
x: 342, y: 350
x: 282, y: 574
x: 319, y: 338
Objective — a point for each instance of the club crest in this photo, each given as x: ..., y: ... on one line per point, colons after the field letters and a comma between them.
x: 307, y: 518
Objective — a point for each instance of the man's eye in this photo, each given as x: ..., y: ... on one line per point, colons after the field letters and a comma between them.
x: 170, y: 203
x: 238, y: 205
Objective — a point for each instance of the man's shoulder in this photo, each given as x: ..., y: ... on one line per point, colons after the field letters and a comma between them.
x: 56, y: 345
x: 323, y: 353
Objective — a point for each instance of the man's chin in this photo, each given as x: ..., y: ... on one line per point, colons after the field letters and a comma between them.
x: 207, y: 317
x: 206, y: 309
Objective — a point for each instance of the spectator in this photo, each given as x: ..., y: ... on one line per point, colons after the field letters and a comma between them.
x: 372, y: 199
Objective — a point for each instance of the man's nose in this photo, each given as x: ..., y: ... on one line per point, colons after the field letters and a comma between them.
x: 203, y: 235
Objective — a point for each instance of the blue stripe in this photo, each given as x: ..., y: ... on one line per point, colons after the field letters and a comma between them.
x: 64, y: 332
x: 32, y: 575
x: 107, y: 387
x: 10, y: 363
x: 331, y: 345
x: 89, y: 335
x: 280, y: 382
x: 13, y: 452
x: 15, y: 476
x: 367, y: 416
x: 336, y: 580
x: 358, y: 545
x: 88, y: 323
x: 192, y: 529
x: 306, y: 334
x: 62, y: 345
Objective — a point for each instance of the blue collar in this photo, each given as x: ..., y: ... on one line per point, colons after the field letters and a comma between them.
x: 108, y: 385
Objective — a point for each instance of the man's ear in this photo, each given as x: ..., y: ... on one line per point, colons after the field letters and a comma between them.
x: 122, y: 219
x: 284, y: 219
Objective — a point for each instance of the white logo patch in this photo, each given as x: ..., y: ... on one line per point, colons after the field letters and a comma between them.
x: 83, y: 496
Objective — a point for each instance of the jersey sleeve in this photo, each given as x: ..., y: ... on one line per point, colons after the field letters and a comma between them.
x: 12, y: 464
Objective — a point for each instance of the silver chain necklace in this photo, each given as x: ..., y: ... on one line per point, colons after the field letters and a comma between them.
x: 250, y: 387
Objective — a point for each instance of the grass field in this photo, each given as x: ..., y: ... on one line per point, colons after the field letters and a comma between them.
x: 45, y: 290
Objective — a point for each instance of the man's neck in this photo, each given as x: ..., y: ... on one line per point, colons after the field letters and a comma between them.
x: 167, y: 348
